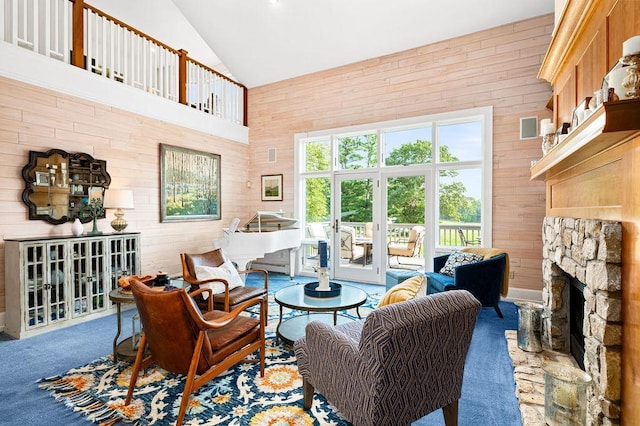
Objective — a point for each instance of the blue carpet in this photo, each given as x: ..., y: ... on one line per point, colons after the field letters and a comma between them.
x: 488, y: 395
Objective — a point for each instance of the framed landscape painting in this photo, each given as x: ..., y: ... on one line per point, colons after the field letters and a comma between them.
x: 189, y: 184
x: 271, y: 187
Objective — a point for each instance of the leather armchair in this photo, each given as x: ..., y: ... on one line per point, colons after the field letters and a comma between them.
x: 402, y: 362
x: 179, y: 338
x: 231, y: 298
x: 484, y: 279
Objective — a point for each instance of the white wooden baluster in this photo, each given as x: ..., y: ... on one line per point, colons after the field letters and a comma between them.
x: 44, y: 22
x: 111, y: 49
x: 88, y: 48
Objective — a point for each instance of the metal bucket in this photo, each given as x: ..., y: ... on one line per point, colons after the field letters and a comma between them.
x: 530, y: 326
x: 565, y: 395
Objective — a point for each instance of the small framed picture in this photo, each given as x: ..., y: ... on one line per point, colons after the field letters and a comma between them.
x: 271, y: 187
x: 42, y: 178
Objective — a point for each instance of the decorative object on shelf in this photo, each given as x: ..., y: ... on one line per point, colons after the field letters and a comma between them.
x: 95, y: 210
x: 76, y: 227
x: 581, y: 113
x: 42, y: 179
x: 613, y: 81
x: 118, y: 199
x: 547, y: 132
x: 631, y: 46
x: 631, y: 81
x: 631, y: 57
x: 561, y: 133
x: 596, y: 100
x: 63, y: 175
x: 610, y: 125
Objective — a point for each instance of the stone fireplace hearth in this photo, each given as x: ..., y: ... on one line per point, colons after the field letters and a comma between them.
x: 589, y: 250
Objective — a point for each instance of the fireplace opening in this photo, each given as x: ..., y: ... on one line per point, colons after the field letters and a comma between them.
x: 576, y: 319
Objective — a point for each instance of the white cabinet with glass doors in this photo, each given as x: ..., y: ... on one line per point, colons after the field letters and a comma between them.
x: 56, y: 282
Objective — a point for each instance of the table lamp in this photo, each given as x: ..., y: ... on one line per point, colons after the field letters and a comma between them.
x: 118, y: 199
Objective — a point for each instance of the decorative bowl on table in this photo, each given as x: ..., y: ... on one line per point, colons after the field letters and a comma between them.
x: 311, y: 290
x: 125, y: 282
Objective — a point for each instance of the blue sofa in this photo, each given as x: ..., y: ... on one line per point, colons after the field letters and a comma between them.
x: 483, y: 279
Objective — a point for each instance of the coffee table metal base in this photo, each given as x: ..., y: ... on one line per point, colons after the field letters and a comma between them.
x: 292, y: 329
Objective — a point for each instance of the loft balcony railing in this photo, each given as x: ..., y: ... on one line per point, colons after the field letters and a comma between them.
x: 79, y: 34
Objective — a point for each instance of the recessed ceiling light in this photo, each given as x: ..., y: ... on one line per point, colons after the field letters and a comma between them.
x: 273, y: 1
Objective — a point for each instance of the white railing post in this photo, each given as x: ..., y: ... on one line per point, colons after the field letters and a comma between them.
x: 5, y: 22
x: 35, y: 19
x: 44, y: 21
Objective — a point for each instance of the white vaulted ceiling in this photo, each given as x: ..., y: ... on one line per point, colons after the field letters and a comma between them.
x: 259, y: 42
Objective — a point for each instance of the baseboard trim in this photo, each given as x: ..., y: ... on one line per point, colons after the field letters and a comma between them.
x: 525, y: 295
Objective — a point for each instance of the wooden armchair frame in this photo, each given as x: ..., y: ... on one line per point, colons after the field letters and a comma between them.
x: 179, y: 338
x: 230, y: 299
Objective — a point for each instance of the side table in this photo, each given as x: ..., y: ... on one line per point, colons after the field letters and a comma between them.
x: 127, y: 348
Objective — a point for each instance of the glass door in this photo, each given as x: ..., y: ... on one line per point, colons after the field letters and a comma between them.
x: 355, y: 233
x: 406, y: 241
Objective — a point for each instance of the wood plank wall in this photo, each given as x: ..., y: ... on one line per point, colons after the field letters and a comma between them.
x: 496, y: 67
x: 32, y: 118
x: 604, y: 186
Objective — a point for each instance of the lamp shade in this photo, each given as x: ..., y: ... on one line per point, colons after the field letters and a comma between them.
x: 118, y: 199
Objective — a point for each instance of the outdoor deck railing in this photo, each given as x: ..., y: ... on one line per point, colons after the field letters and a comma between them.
x: 449, y: 235
x: 80, y: 34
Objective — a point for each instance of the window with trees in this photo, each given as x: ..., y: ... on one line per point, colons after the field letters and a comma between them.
x: 437, y: 171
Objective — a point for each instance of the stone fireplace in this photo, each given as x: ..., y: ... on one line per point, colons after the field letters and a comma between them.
x: 590, y: 251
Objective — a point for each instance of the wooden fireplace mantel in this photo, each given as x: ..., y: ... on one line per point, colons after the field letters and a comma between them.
x: 612, y: 124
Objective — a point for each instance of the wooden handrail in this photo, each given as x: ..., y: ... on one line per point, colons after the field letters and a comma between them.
x: 128, y: 27
x: 78, y: 55
x: 200, y: 64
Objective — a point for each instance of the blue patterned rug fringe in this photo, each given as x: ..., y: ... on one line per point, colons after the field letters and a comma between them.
x: 237, y: 397
x: 83, y: 402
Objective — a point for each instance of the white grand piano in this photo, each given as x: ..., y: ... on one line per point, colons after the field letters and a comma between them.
x: 266, y: 232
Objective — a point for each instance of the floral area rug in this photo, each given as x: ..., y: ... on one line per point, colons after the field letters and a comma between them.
x: 237, y: 397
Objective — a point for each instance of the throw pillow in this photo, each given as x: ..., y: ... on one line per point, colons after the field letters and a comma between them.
x: 458, y: 258
x: 406, y: 290
x: 225, y: 271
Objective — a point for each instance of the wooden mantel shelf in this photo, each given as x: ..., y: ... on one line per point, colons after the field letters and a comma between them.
x: 612, y: 124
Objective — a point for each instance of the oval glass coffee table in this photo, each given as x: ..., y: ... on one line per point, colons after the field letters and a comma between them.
x: 323, y: 309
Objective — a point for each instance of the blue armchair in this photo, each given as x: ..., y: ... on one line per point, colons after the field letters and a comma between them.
x: 487, y: 279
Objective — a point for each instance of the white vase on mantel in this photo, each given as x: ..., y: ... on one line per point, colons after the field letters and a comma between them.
x: 76, y: 228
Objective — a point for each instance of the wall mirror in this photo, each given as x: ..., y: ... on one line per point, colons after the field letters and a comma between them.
x: 59, y: 185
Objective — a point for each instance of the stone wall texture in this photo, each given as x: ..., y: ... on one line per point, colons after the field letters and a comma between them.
x: 589, y: 250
